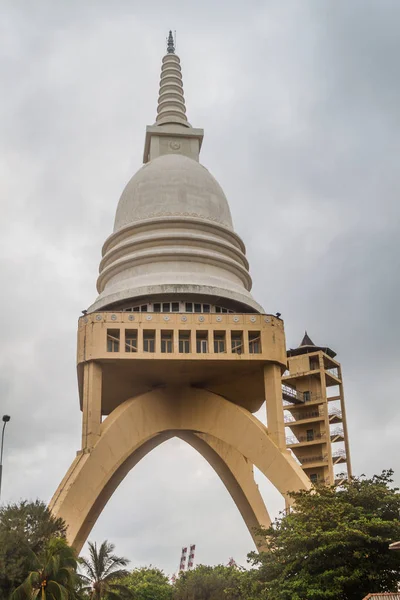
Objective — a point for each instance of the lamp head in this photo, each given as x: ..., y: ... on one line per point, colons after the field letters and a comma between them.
x: 6, y: 418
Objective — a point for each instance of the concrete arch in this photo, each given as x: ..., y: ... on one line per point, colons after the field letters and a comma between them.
x: 228, y: 436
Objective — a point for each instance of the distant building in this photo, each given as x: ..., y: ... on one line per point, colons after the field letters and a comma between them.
x: 383, y: 596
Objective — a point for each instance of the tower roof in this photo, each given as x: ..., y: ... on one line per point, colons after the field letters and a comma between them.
x: 306, y: 341
x: 307, y: 345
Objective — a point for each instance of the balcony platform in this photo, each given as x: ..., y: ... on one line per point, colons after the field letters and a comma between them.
x: 237, y: 375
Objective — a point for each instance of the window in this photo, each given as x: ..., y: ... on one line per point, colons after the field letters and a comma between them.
x: 310, y: 435
x: 237, y: 342
x: 131, y: 340
x: 206, y: 308
x: 175, y: 306
x: 255, y: 342
x: 314, y: 364
x: 189, y: 307
x: 166, y: 307
x: 184, y: 342
x: 217, y: 309
x: 201, y: 342
x: 148, y: 341
x: 113, y: 336
x: 142, y: 308
x: 167, y: 342
x: 197, y: 308
x: 314, y: 478
x: 219, y: 342
x: 307, y: 396
x: 157, y: 307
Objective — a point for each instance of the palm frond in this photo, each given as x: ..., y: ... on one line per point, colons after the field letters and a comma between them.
x: 56, y: 591
x: 116, y: 575
x: 23, y: 591
x: 88, y: 567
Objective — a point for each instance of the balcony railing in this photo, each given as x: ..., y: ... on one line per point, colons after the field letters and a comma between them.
x: 291, y: 396
x: 294, y: 396
x: 339, y: 454
x: 320, y: 481
x: 313, y: 367
x: 338, y: 432
x: 313, y: 459
x: 335, y: 413
x: 290, y: 441
x: 303, y: 415
x: 334, y: 372
x: 340, y: 478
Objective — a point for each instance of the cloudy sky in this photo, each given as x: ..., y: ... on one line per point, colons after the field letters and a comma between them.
x: 300, y: 102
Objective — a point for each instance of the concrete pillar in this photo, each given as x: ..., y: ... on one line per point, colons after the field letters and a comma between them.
x: 91, y: 406
x: 326, y: 421
x: 273, y: 396
x: 344, y: 423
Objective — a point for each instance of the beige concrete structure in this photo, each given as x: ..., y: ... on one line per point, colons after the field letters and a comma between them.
x: 175, y: 344
x: 315, y: 413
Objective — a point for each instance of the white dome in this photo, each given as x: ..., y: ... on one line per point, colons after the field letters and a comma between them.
x: 173, y: 234
x: 172, y: 185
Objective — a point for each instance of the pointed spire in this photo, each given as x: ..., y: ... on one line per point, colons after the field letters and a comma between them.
x: 171, y: 102
x: 306, y: 341
x: 170, y: 44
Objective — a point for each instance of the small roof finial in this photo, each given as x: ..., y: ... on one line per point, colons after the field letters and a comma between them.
x: 170, y: 44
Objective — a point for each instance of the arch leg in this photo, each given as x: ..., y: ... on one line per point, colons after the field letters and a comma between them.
x: 237, y: 474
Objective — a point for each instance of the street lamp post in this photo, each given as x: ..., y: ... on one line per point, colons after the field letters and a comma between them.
x: 6, y: 419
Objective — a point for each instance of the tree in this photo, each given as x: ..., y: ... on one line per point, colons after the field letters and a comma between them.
x: 54, y: 576
x: 103, y: 571
x: 148, y: 583
x: 25, y: 528
x: 213, y: 583
x: 334, y: 544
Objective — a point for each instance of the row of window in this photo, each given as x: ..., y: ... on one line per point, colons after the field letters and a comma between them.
x: 201, y: 341
x: 189, y: 307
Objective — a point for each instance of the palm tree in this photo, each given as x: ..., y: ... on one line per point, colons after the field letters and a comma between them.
x: 54, y: 576
x: 102, y: 571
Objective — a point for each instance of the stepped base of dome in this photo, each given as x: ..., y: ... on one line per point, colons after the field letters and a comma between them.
x: 245, y: 301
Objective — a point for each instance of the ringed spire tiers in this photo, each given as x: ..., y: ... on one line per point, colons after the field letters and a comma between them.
x: 171, y: 102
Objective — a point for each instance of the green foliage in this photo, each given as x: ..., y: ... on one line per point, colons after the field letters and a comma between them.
x: 148, y: 583
x: 25, y: 528
x: 213, y: 583
x: 103, y: 573
x: 334, y: 545
x: 54, y: 576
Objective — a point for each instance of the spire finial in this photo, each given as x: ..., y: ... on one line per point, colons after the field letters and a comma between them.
x: 170, y: 44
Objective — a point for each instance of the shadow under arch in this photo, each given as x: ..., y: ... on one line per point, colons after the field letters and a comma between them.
x: 226, y: 435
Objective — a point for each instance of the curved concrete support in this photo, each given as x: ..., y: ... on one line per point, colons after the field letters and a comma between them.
x: 237, y: 474
x: 141, y: 423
